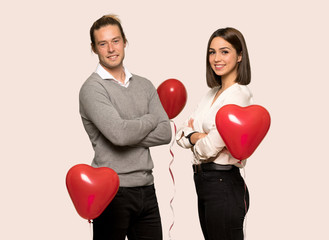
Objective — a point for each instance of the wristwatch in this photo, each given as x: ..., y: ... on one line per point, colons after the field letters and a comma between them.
x: 189, y: 137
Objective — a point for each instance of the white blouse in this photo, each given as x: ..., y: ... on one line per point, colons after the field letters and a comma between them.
x: 211, y: 148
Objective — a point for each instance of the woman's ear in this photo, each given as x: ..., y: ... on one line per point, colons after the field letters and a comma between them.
x: 240, y: 57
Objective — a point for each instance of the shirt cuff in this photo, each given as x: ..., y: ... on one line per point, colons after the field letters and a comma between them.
x: 181, y: 137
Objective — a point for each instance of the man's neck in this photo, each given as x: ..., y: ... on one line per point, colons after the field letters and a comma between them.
x: 118, y: 73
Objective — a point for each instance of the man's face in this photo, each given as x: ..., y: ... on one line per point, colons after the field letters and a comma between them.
x: 109, y: 46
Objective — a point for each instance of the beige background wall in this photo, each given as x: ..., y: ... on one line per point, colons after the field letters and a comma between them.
x: 45, y: 57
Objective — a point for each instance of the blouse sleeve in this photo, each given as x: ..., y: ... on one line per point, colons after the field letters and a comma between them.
x: 208, y: 146
x: 183, y: 132
x: 212, y: 144
x: 181, y: 137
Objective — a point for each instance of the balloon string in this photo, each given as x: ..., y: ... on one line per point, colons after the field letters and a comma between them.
x: 245, y: 204
x: 90, y: 228
x: 173, y: 179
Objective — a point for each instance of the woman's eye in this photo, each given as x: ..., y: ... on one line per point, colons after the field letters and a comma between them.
x: 211, y: 52
x: 224, y: 52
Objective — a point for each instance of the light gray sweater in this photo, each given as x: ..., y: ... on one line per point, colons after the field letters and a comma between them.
x: 122, y: 123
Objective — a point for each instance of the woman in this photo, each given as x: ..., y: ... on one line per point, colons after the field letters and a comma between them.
x: 223, y: 198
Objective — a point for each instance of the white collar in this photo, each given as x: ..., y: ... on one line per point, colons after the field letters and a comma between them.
x: 100, y: 70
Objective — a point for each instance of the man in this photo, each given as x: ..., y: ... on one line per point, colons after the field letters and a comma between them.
x: 123, y: 116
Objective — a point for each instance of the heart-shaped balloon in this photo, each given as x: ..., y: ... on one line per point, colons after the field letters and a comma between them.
x: 173, y: 96
x: 91, y: 189
x: 242, y: 128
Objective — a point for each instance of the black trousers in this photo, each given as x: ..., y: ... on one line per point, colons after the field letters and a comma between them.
x: 134, y: 213
x: 223, y: 201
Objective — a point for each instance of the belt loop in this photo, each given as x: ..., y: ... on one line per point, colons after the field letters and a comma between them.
x: 197, y: 168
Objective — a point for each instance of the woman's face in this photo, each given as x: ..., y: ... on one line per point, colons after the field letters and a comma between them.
x: 223, y: 58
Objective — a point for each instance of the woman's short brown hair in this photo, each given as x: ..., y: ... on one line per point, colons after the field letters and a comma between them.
x: 236, y: 39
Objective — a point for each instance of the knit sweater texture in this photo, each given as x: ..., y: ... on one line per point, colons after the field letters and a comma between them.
x: 122, y: 123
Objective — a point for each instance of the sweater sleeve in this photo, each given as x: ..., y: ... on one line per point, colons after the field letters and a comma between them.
x: 96, y: 106
x: 162, y: 133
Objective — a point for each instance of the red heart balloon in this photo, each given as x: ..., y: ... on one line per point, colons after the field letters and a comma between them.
x: 91, y: 189
x: 173, y: 96
x: 242, y: 128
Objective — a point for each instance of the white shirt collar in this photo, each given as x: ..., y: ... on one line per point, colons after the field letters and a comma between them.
x: 106, y: 75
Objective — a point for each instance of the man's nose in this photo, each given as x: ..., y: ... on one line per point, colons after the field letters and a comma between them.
x: 110, y: 48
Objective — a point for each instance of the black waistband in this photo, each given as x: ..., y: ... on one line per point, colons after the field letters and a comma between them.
x: 205, y: 167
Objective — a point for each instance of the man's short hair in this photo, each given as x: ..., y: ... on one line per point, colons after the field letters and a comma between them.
x: 109, y: 19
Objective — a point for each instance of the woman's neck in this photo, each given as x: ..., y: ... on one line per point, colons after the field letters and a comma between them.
x: 229, y: 79
x: 226, y: 83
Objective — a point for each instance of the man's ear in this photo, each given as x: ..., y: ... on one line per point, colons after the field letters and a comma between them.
x: 93, y: 48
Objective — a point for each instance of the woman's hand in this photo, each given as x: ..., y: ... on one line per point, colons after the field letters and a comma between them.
x: 195, y: 136
x: 190, y: 123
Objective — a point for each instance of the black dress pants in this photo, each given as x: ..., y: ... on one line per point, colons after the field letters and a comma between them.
x: 134, y: 213
x: 223, y: 201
